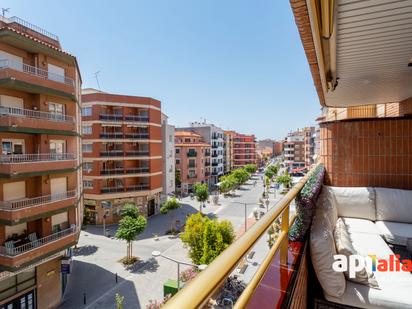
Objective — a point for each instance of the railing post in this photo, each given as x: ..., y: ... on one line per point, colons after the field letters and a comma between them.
x: 284, y: 228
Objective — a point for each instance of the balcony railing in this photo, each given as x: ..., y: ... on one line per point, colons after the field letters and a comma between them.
x: 136, y: 118
x: 137, y: 153
x: 112, y: 135
x: 137, y: 135
x: 191, y: 176
x: 28, y: 113
x: 34, y: 71
x: 141, y: 187
x: 111, y: 117
x: 111, y: 153
x: 120, y: 171
x: 199, y: 291
x: 35, y: 201
x: 37, y: 243
x: 26, y: 24
x: 36, y: 157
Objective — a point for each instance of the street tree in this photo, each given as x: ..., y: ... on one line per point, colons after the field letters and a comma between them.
x: 251, y: 168
x: 241, y: 175
x: 284, y: 179
x: 178, y: 179
x: 206, y: 238
x: 169, y: 206
x: 201, y: 193
x: 129, y: 210
x: 129, y: 228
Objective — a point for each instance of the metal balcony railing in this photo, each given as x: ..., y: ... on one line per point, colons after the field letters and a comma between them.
x: 136, y: 118
x: 34, y: 71
x: 36, y: 157
x: 191, y: 176
x: 137, y: 152
x: 191, y: 153
x: 36, y: 201
x: 111, y: 135
x: 140, y: 187
x: 14, y: 251
x: 111, y: 153
x: 28, y: 113
x: 137, y: 135
x: 120, y: 171
x: 200, y: 289
x: 111, y: 117
x: 26, y: 24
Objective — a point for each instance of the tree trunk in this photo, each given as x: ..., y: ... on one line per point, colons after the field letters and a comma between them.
x: 131, y: 249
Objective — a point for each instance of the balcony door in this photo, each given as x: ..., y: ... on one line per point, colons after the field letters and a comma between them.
x: 11, y: 61
x: 58, y: 185
x: 55, y: 73
x: 57, y: 147
x: 14, y: 191
x: 57, y: 110
x: 12, y: 146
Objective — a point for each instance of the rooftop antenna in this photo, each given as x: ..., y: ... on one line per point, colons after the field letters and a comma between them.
x: 4, y: 11
x: 97, y: 78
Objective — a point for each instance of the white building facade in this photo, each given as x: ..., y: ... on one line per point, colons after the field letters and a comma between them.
x: 168, y: 144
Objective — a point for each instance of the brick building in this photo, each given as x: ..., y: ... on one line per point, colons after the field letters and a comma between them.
x: 40, y: 174
x: 244, y: 150
x: 122, y: 154
x: 193, y: 159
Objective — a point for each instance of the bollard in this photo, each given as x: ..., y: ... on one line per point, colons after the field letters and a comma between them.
x: 116, y: 277
x: 84, y: 298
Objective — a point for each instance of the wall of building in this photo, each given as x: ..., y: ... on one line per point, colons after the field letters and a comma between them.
x: 368, y: 152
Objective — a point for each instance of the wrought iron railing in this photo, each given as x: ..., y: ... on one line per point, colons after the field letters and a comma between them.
x: 35, y: 201
x: 111, y: 117
x: 36, y: 157
x: 136, y: 118
x: 129, y: 170
x: 14, y: 251
x: 137, y: 135
x: 125, y: 189
x: 28, y: 113
x: 111, y: 135
x: 29, y: 69
x: 111, y: 153
x: 31, y: 26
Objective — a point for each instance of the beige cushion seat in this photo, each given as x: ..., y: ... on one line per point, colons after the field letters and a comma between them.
x: 361, y: 226
x: 395, y: 233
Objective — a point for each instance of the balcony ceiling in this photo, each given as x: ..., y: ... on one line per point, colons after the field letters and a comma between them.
x: 373, y: 49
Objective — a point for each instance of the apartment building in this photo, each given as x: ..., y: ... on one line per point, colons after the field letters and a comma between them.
x: 168, y: 143
x: 294, y: 149
x: 122, y: 154
x: 212, y: 135
x: 277, y: 148
x: 309, y: 145
x: 40, y: 175
x: 228, y: 150
x: 193, y: 159
x: 244, y: 150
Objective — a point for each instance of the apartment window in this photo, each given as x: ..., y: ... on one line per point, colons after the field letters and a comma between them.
x: 57, y: 146
x: 177, y: 150
x: 56, y: 109
x: 86, y: 111
x: 187, y: 140
x: 177, y: 161
x: 12, y: 146
x: 87, y: 166
x: 87, y: 148
x: 88, y: 184
x: 87, y: 129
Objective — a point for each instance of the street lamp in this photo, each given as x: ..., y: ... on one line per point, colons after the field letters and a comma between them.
x: 159, y: 254
x: 245, y: 204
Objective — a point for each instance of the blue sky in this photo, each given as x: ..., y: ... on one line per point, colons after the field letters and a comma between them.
x: 239, y: 64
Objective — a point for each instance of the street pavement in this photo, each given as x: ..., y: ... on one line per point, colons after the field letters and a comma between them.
x: 92, y: 283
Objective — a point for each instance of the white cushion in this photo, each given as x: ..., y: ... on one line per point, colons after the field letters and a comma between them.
x: 325, y: 205
x: 354, y: 202
x: 360, y: 226
x: 322, y: 250
x: 366, y: 244
x: 394, y: 232
x: 393, y: 205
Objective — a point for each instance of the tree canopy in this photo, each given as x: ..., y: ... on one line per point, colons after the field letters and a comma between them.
x: 129, y: 210
x: 201, y: 192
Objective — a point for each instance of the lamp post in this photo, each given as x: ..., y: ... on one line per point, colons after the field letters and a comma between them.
x: 159, y: 254
x: 245, y: 204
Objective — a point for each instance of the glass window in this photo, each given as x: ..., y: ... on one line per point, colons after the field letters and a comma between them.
x: 88, y: 184
x: 87, y: 130
x: 87, y: 148
x: 87, y: 166
x: 86, y: 111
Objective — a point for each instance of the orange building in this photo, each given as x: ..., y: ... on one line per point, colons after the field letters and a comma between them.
x: 244, y: 150
x: 192, y: 159
x: 40, y: 174
x: 122, y: 154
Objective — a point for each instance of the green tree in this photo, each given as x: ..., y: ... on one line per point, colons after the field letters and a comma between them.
x: 129, y: 228
x: 227, y: 183
x: 178, y: 179
x: 284, y: 179
x: 206, y: 238
x: 241, y: 175
x: 170, y: 205
x: 251, y: 168
x: 129, y: 210
x: 201, y: 193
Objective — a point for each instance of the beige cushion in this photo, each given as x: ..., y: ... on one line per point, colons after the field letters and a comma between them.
x: 361, y: 226
x: 344, y: 246
x: 322, y: 250
x: 394, y: 232
x: 354, y: 202
x: 366, y: 244
x: 326, y: 205
x: 393, y: 205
